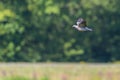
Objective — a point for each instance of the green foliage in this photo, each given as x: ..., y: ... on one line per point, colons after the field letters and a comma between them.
x: 40, y: 30
x: 15, y: 78
x: 45, y: 78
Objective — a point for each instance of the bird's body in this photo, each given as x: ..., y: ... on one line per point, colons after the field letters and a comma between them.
x: 82, y: 28
x: 81, y: 25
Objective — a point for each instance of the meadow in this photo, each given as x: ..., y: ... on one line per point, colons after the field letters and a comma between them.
x: 59, y: 71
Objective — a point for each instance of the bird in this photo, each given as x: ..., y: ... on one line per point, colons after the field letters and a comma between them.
x: 81, y: 25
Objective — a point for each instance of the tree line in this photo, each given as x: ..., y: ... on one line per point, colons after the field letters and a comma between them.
x: 41, y: 31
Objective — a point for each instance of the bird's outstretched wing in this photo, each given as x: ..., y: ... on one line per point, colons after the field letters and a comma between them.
x: 81, y: 22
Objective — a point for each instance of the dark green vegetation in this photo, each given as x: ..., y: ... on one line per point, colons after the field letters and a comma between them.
x: 41, y: 30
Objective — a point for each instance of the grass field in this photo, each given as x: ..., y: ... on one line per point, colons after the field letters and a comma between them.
x: 59, y: 71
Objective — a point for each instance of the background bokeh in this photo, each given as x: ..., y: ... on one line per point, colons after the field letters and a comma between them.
x: 41, y: 31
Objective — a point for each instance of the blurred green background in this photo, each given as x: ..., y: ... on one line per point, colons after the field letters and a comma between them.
x: 41, y: 31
